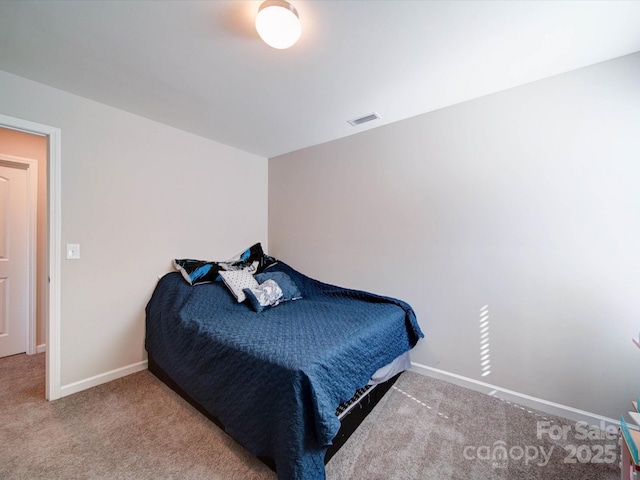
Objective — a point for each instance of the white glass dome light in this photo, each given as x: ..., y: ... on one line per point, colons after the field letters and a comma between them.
x: 278, y: 24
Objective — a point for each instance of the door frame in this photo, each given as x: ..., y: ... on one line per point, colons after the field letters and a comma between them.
x: 54, y: 251
x: 32, y: 240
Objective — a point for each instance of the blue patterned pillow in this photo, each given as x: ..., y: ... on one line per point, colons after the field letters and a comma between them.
x: 290, y: 290
x: 267, y: 294
x: 203, y: 271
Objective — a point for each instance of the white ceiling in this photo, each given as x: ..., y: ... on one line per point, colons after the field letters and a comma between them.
x: 200, y: 66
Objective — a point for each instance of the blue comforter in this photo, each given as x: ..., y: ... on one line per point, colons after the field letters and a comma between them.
x: 274, y: 379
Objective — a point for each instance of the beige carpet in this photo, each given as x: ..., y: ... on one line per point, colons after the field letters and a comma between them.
x: 136, y: 428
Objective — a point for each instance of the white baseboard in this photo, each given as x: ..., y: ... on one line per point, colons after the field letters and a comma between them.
x: 519, y: 399
x: 41, y: 348
x: 102, y: 378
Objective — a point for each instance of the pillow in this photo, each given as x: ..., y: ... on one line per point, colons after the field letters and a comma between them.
x: 236, y: 281
x: 203, y: 271
x: 197, y: 271
x: 265, y: 295
x: 253, y: 258
x: 289, y: 289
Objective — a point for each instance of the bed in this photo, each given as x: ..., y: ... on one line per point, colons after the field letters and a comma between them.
x: 274, y: 379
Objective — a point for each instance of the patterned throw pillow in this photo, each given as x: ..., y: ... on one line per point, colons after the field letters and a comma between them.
x: 237, y: 280
x: 203, y: 271
x: 197, y: 271
x: 265, y: 295
x: 290, y: 290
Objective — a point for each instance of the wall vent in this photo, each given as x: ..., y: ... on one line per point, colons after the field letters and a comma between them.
x: 367, y: 118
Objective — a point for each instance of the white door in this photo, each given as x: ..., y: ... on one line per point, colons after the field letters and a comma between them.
x: 14, y: 275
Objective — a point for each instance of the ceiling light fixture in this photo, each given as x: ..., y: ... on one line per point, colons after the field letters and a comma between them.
x: 278, y: 24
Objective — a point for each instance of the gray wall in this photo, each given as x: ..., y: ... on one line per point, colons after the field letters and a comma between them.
x: 527, y: 201
x: 135, y: 195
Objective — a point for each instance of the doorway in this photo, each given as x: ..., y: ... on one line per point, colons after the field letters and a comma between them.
x: 18, y: 247
x: 49, y: 298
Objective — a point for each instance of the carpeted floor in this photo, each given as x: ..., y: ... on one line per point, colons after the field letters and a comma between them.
x: 137, y: 428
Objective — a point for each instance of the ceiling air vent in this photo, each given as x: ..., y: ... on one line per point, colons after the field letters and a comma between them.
x: 367, y: 118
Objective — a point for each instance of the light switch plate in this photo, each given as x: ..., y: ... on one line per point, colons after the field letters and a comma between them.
x: 73, y: 251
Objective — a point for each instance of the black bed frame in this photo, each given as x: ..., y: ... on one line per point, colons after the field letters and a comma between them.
x: 356, y: 413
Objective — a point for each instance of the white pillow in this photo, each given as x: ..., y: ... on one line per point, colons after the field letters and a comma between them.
x: 237, y: 280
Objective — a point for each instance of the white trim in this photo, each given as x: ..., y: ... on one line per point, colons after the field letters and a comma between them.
x: 32, y: 243
x: 96, y: 380
x: 55, y: 252
x: 41, y: 348
x: 520, y: 399
x: 52, y: 390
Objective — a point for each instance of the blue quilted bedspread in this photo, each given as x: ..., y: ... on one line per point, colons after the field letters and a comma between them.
x: 275, y: 378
